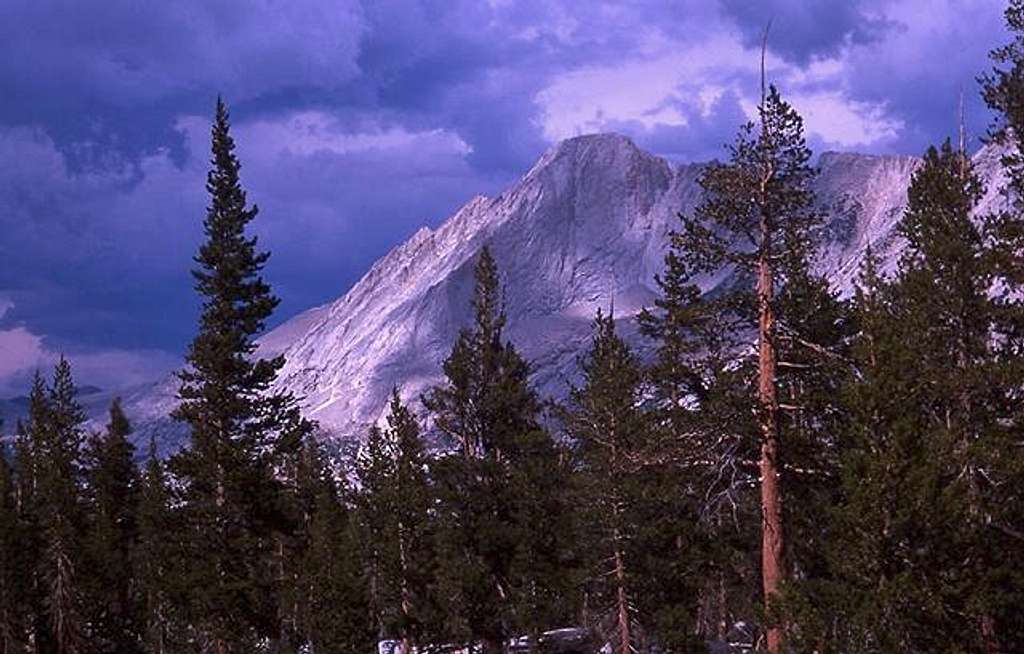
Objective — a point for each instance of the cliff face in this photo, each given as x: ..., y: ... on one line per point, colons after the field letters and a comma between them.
x: 586, y: 227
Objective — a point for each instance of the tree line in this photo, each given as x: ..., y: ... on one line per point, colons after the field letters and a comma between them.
x: 845, y: 473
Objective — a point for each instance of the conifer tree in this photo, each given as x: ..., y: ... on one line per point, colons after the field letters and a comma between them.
x: 113, y: 488
x: 885, y: 485
x: 918, y: 560
x: 1003, y: 90
x: 629, y: 510
x: 704, y: 410
x: 499, y: 487
x: 943, y: 289
x: 240, y: 430
x: 757, y: 218
x: 610, y: 433
x: 153, y: 561
x: 14, y: 580
x: 336, y: 613
x: 28, y: 448
x: 57, y: 438
x: 394, y: 513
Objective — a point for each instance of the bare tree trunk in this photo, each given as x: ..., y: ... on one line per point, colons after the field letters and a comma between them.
x: 406, y: 646
x: 772, y: 541
x: 772, y: 537
x: 622, y: 601
x: 64, y: 618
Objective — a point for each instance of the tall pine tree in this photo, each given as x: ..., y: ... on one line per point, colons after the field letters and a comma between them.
x: 394, y: 505
x: 15, y: 571
x: 919, y: 560
x: 638, y: 526
x: 62, y: 512
x: 705, y: 414
x: 501, y: 486
x: 757, y: 219
x: 113, y: 487
x: 153, y: 556
x: 334, y: 596
x: 240, y: 430
x: 1003, y: 90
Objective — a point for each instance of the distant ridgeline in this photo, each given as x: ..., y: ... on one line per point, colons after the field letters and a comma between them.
x: 586, y: 228
x: 622, y: 407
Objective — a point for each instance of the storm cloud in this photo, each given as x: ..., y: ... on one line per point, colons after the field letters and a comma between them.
x: 359, y: 122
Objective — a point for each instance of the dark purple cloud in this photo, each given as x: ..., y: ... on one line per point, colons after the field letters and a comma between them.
x: 359, y: 122
x: 802, y: 30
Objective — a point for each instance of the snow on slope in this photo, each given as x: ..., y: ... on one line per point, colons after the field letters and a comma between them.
x: 585, y: 227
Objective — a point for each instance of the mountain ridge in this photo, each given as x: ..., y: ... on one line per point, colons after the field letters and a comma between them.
x: 585, y: 227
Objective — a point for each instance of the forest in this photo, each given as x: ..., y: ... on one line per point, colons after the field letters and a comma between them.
x: 791, y: 469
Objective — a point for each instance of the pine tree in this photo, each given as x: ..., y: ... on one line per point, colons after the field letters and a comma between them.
x: 499, y: 487
x: 336, y: 613
x: 28, y: 447
x: 702, y: 403
x: 884, y: 486
x: 56, y: 432
x: 394, y: 513
x: 943, y: 288
x: 918, y: 558
x: 1003, y: 90
x: 152, y: 556
x: 241, y: 432
x: 757, y: 218
x: 630, y: 512
x: 113, y: 488
x: 14, y: 580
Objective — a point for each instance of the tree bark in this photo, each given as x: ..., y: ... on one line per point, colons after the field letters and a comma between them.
x: 406, y: 646
x: 623, y: 603
x: 772, y: 536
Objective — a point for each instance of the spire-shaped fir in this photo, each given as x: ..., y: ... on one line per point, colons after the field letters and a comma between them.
x: 15, y: 563
x: 611, y: 435
x: 240, y: 431
x: 113, y: 488
x: 153, y: 557
x: 500, y: 488
x: 56, y: 430
x: 395, y: 512
x: 335, y: 612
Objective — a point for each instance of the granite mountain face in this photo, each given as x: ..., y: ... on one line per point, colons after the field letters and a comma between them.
x: 586, y: 227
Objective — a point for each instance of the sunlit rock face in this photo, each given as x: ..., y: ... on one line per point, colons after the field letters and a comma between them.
x: 585, y: 228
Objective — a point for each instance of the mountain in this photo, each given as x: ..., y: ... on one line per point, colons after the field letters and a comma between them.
x: 585, y: 228
x: 95, y: 401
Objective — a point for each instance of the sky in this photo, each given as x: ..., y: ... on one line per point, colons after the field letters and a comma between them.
x: 359, y: 122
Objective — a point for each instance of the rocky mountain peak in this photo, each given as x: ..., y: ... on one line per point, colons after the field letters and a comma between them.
x: 585, y: 227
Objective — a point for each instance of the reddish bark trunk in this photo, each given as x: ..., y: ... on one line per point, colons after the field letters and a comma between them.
x: 772, y: 537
